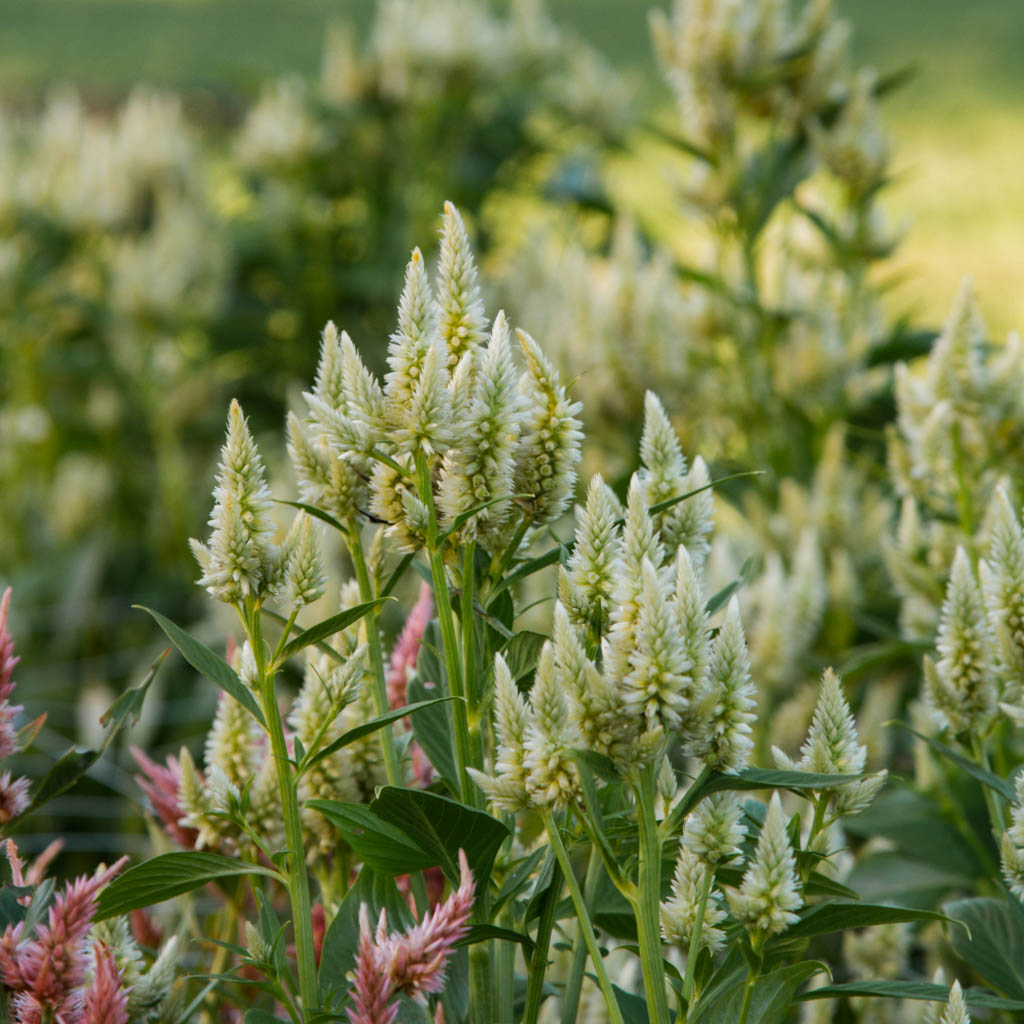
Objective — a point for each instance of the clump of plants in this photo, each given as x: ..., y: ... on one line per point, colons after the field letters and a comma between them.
x: 377, y: 863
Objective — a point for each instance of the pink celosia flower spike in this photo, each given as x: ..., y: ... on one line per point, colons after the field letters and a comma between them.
x: 51, y: 965
x: 412, y: 963
x: 371, y: 990
x: 407, y: 647
x: 418, y: 959
x: 161, y: 784
x: 105, y: 1002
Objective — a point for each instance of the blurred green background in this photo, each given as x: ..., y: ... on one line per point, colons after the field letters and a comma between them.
x: 959, y: 124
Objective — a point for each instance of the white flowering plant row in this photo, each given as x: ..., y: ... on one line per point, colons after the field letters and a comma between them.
x: 487, y: 823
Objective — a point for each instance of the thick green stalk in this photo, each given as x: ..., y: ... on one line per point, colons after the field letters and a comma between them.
x: 378, y: 677
x: 538, y: 965
x: 298, y: 882
x: 449, y: 640
x: 748, y: 995
x: 574, y: 983
x: 504, y: 975
x: 648, y: 906
x: 583, y: 919
x: 470, y: 675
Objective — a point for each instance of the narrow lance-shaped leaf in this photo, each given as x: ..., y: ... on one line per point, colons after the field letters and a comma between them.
x: 208, y: 664
x: 169, y: 875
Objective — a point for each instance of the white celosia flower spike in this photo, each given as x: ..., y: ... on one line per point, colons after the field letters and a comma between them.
x: 415, y: 335
x: 1002, y: 577
x: 715, y: 829
x: 955, y: 363
x: 305, y: 577
x: 482, y: 467
x: 325, y: 480
x: 364, y: 400
x: 679, y: 911
x: 506, y: 788
x: 548, y: 455
x: 956, y: 1008
x: 586, y: 584
x: 961, y: 687
x: 692, y: 616
x: 552, y: 778
x: 426, y: 424
x: 638, y: 542
x: 1013, y: 844
x: 329, y: 382
x: 233, y: 560
x: 461, y: 317
x: 769, y: 896
x: 664, y: 464
x: 832, y: 747
x: 729, y: 706
x: 665, y: 476
x: 656, y: 688
x: 594, y: 707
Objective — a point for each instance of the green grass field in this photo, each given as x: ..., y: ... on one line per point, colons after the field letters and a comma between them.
x: 959, y: 125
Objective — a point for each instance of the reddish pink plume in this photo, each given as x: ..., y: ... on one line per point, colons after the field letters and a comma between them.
x: 105, y: 1002
x: 160, y: 784
x: 407, y: 647
x: 413, y: 962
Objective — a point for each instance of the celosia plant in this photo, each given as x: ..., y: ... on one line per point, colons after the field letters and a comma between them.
x: 624, y: 736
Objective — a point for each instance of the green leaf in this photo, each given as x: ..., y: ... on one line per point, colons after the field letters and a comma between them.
x: 710, y: 781
x: 383, y: 846
x: 919, y: 830
x: 11, y: 911
x: 316, y: 513
x: 892, y: 877
x: 335, y: 624
x: 486, y: 932
x: 771, y: 1001
x: 835, y: 916
x: 253, y: 1016
x: 976, y: 997
x: 442, y: 827
x: 128, y: 705
x: 995, y: 944
x: 633, y: 1007
x: 550, y: 557
x: 341, y: 941
x: 522, y: 652
x: 398, y: 573
x: 63, y: 774
x: 370, y: 727
x: 169, y: 875
x: 985, y: 777
x: 516, y: 879
x: 662, y: 506
x: 433, y: 728
x: 208, y: 664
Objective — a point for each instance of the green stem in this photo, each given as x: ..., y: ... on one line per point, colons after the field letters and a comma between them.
x: 298, y: 882
x: 648, y: 906
x: 504, y: 976
x: 538, y: 965
x: 574, y: 984
x: 499, y: 566
x: 378, y: 677
x: 587, y: 929
x: 698, y: 930
x: 453, y: 665
x: 469, y: 672
x: 748, y: 995
x: 995, y: 811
